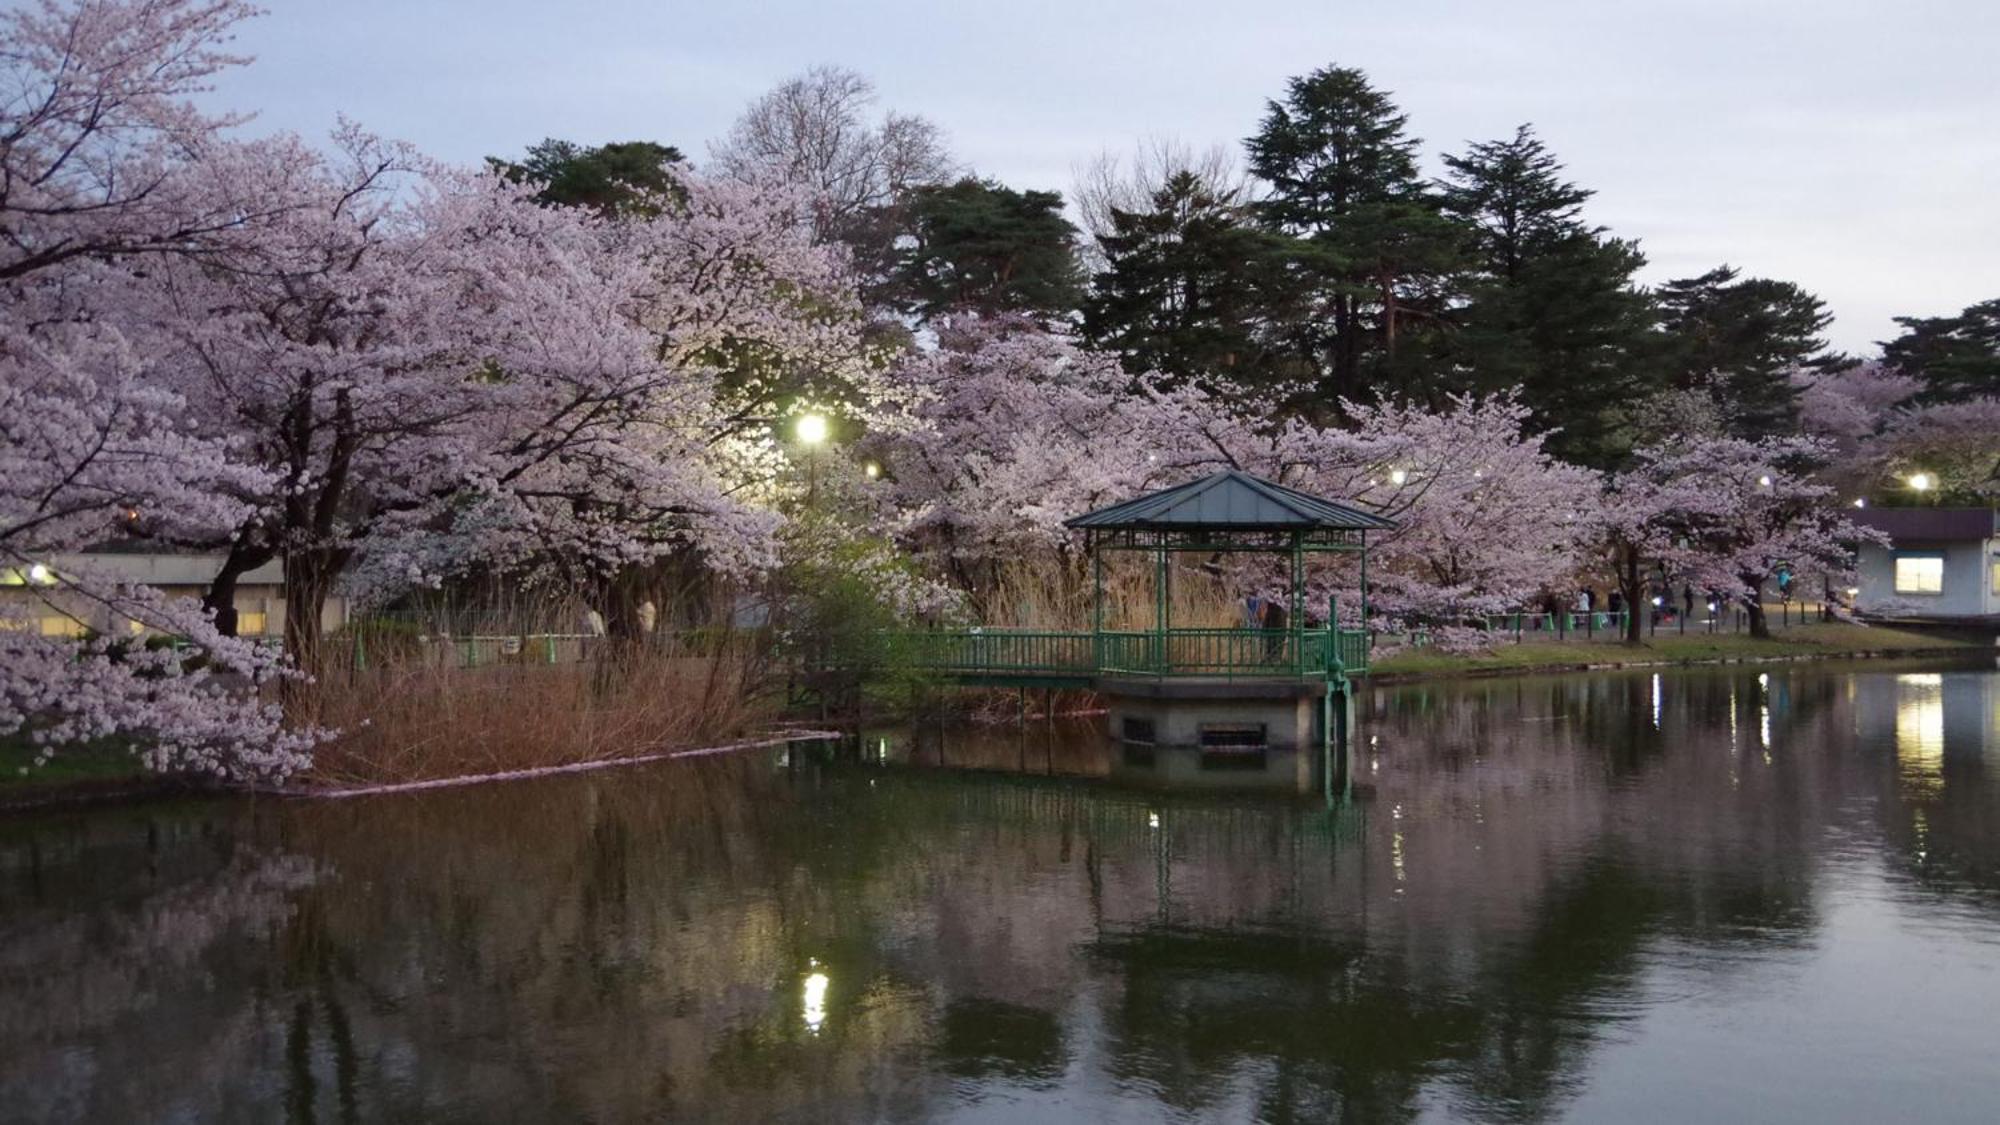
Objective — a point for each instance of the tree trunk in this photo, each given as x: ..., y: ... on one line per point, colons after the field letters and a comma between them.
x: 309, y: 576
x: 1760, y: 626
x: 220, y: 597
x: 1632, y: 587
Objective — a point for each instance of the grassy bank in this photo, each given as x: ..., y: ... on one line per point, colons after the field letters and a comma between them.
x: 1797, y: 642
x: 73, y: 772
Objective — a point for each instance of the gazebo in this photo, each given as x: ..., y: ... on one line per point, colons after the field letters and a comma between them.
x: 1229, y: 512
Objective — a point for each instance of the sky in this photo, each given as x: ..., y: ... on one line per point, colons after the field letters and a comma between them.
x: 1851, y: 147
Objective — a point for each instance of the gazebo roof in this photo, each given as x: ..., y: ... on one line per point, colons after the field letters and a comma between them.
x: 1229, y: 501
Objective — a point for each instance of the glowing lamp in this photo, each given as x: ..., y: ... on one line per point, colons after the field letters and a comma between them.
x: 1398, y: 477
x: 811, y: 428
x: 1922, y: 482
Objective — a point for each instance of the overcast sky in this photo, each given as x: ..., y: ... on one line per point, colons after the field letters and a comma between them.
x: 1851, y: 147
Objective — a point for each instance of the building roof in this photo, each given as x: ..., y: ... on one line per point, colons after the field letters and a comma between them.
x: 1229, y: 501
x: 1933, y: 524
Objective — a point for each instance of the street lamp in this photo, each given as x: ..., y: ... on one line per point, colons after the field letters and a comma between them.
x: 872, y: 470
x: 1921, y: 482
x: 811, y: 432
x: 1397, y: 477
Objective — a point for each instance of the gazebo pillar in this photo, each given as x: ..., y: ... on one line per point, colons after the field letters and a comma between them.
x: 1297, y: 619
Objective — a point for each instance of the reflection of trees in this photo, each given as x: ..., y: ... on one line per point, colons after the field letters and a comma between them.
x: 118, y: 942
x: 640, y: 943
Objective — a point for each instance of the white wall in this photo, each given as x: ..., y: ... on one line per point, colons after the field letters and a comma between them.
x: 1968, y: 580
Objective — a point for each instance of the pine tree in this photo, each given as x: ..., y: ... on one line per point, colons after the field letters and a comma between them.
x: 1957, y: 357
x: 979, y: 246
x: 1553, y: 309
x: 1375, y: 261
x: 1737, y: 341
x: 607, y: 178
x: 1184, y: 286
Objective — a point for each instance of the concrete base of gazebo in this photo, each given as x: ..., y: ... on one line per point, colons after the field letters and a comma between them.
x: 1227, y: 733
x: 1217, y: 716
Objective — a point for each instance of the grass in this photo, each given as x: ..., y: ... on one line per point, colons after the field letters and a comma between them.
x: 1813, y: 640
x: 71, y: 767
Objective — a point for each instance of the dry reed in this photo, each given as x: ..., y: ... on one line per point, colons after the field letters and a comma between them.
x: 415, y: 720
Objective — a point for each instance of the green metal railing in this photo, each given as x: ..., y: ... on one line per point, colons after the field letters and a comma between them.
x: 1224, y: 653
x: 998, y: 651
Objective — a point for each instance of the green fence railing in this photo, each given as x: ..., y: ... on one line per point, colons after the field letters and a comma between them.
x: 1224, y: 653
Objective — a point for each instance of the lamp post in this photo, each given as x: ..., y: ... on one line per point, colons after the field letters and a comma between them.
x: 811, y: 432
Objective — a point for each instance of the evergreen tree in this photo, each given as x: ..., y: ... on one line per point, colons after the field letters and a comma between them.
x: 1957, y: 357
x: 1184, y: 285
x: 1737, y: 341
x: 1375, y: 260
x: 1553, y: 309
x: 978, y: 246
x: 607, y: 178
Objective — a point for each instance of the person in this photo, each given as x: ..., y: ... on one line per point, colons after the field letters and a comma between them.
x: 1274, y: 631
x: 1687, y: 601
x: 1617, y: 601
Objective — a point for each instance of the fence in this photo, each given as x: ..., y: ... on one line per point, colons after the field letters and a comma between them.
x: 1607, y: 625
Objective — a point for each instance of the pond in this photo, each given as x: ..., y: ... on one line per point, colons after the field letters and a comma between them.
x: 1709, y: 894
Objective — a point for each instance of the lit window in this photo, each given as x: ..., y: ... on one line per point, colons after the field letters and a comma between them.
x: 57, y: 625
x: 1920, y: 574
x: 249, y: 623
x: 1996, y: 578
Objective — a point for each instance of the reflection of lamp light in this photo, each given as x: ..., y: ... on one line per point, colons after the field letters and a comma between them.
x: 1152, y: 820
x: 1920, y: 731
x: 815, y: 999
x: 811, y: 428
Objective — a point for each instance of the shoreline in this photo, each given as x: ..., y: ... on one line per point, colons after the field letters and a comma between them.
x: 1482, y: 672
x: 107, y: 790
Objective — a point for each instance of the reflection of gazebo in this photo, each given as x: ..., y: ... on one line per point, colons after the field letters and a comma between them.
x: 1229, y: 512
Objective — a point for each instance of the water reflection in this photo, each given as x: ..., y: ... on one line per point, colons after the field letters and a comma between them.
x: 1588, y: 895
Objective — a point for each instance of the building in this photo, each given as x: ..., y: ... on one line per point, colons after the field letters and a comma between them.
x: 1942, y: 563
x: 36, y: 593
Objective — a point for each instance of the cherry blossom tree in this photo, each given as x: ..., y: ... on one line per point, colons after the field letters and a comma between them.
x: 1730, y: 514
x: 1006, y: 430
x: 1880, y: 434
x: 99, y: 147
x: 1487, y: 518
x: 664, y: 353
x: 1012, y: 430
